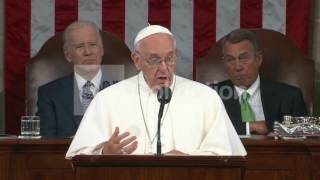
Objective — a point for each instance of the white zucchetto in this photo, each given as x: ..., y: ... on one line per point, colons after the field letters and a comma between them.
x: 149, y: 30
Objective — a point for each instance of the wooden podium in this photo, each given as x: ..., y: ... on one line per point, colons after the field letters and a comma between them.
x: 267, y: 159
x: 151, y: 167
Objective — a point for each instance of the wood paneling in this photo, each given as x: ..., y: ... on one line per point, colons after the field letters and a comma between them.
x: 146, y: 167
x: 267, y: 159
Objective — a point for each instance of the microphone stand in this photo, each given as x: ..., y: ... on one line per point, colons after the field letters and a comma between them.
x: 158, y: 132
x: 164, y: 96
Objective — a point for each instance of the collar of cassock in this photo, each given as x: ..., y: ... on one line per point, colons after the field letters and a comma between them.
x: 144, y: 87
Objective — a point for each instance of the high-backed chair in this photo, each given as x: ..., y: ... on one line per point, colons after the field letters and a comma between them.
x: 50, y: 64
x: 282, y: 62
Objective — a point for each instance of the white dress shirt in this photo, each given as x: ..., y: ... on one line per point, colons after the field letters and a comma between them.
x: 96, y: 80
x: 254, y: 101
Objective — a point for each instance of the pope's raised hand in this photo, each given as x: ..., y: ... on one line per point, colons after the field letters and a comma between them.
x: 120, y: 143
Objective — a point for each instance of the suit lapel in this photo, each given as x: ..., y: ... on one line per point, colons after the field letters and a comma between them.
x: 77, y: 109
x: 71, y: 99
x: 233, y: 108
x: 268, y: 101
x: 104, y: 83
x: 67, y: 87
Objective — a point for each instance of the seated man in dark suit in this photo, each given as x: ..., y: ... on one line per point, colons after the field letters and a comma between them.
x: 253, y: 103
x: 62, y: 102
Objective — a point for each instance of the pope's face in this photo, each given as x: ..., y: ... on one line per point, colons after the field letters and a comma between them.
x: 156, y: 57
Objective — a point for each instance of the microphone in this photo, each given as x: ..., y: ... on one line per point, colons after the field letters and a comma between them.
x: 164, y: 96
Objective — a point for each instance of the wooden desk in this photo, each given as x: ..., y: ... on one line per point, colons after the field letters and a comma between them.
x: 146, y: 167
x: 267, y: 159
x: 277, y: 159
x: 22, y: 159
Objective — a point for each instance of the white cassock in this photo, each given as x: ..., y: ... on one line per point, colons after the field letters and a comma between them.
x: 194, y: 122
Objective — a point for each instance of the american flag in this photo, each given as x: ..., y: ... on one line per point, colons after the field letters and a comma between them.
x: 196, y: 24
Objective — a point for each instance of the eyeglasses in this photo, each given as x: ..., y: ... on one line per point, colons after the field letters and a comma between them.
x: 156, y: 61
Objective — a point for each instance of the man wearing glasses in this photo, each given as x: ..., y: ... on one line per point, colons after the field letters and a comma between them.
x: 253, y: 103
x: 122, y: 119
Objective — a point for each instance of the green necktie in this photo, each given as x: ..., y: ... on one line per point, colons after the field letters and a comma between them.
x: 246, y: 111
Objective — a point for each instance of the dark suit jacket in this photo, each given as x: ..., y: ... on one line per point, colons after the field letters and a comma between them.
x: 59, y: 107
x: 277, y: 100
